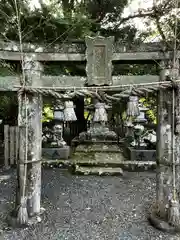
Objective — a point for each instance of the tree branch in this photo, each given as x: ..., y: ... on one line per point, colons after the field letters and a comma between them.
x: 20, y: 37
x: 138, y: 15
x: 161, y: 31
x: 155, y: 11
x: 158, y: 24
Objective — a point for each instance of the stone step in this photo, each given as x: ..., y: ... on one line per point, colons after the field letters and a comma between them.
x: 98, y: 148
x: 98, y: 158
x: 98, y: 170
x: 58, y: 163
x: 125, y: 165
x: 138, y: 165
x: 100, y: 161
x: 96, y: 162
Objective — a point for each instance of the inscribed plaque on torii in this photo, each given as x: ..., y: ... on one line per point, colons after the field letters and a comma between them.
x: 99, y: 60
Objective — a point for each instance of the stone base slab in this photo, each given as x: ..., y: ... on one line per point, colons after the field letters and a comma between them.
x: 141, y: 154
x: 56, y: 153
x: 98, y: 171
x: 162, y: 225
x: 98, y: 147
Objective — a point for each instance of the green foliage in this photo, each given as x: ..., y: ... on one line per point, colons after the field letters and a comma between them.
x: 152, y: 105
x: 7, y: 68
x: 135, y: 69
x: 65, y: 20
x: 48, y: 114
x: 162, y: 23
x: 8, y: 108
x: 149, y: 102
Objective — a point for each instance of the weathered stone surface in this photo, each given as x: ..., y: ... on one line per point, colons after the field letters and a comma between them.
x: 165, y: 150
x: 164, y: 172
x: 75, y: 51
x: 161, y: 225
x: 56, y: 153
x: 79, y: 46
x: 30, y: 115
x: 63, y: 81
x: 99, y: 60
x: 98, y: 170
x: 98, y: 147
x: 8, y: 83
x: 122, y: 56
x: 98, y: 132
x: 100, y: 153
x: 141, y: 154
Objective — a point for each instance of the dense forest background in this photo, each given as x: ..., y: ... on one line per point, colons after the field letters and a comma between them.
x: 59, y: 21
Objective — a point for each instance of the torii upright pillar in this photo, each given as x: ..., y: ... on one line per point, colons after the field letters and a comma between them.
x: 165, y: 178
x: 32, y: 105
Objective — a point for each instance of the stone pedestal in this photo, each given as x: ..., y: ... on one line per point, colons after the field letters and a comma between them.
x: 97, y: 152
x: 141, y: 155
x: 56, y: 153
x: 98, y: 158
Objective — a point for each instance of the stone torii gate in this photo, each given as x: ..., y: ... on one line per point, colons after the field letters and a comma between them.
x: 99, y: 53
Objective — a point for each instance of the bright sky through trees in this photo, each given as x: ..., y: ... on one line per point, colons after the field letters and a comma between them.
x: 132, y: 8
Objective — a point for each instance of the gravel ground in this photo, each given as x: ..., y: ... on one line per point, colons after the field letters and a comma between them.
x: 87, y: 208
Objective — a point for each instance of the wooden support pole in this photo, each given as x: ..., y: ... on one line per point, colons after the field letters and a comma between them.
x: 16, y: 143
x: 12, y: 145
x: 30, y: 113
x: 6, y: 146
x: 21, y: 165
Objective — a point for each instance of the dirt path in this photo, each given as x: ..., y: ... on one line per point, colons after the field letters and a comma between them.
x: 87, y: 208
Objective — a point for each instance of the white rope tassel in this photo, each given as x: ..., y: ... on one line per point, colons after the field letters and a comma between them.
x: 100, y: 114
x: 132, y: 107
x: 69, y: 113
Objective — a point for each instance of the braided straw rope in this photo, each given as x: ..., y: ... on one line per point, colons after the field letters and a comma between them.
x: 126, y: 91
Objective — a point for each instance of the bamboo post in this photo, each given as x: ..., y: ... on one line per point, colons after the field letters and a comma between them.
x: 16, y: 143
x: 20, y: 163
x: 177, y: 126
x: 6, y: 146
x: 12, y: 145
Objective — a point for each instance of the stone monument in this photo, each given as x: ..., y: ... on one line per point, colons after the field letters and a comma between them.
x: 98, y: 151
x: 58, y: 148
